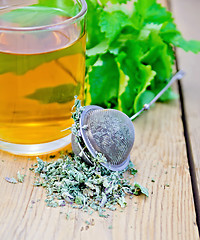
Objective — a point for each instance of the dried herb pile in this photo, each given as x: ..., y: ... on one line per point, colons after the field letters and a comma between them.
x: 69, y: 180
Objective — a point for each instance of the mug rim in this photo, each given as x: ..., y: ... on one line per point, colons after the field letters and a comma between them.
x: 69, y: 21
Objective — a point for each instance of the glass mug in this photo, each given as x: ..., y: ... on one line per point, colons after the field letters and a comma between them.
x: 42, y: 68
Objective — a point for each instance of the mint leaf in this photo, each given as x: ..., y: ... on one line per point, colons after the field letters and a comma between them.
x: 156, y: 13
x: 68, y: 6
x: 168, y: 95
x: 131, y: 64
x: 59, y: 94
x: 140, y: 12
x: 156, y: 55
x: 44, y: 12
x: 90, y: 61
x: 8, y: 61
x: 143, y: 98
x: 104, y: 81
x: 112, y: 23
x: 104, y: 2
x: 140, y: 189
x: 119, y: 1
x: 171, y: 35
x: 100, y: 48
x: 148, y: 77
x: 94, y: 34
x: 32, y: 16
x: 168, y: 31
x: 191, y: 45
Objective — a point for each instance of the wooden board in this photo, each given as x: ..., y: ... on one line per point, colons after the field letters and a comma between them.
x: 188, y: 19
x: 159, y: 153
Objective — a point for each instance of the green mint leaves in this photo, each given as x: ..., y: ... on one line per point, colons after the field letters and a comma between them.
x: 130, y: 53
x: 32, y: 16
x: 104, y: 78
x: 112, y: 23
x: 60, y: 94
x: 32, y: 61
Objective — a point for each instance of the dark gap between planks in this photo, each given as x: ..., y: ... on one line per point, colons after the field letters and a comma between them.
x: 188, y: 144
x: 189, y: 154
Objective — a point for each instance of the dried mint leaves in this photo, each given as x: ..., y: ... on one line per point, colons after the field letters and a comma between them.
x: 69, y: 180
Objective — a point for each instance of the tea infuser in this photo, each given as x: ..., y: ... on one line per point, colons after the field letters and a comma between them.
x: 110, y: 132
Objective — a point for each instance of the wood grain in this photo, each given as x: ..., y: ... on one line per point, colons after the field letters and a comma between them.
x: 159, y: 153
x: 187, y: 17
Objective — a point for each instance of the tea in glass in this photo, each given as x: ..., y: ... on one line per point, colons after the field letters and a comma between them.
x: 42, y: 63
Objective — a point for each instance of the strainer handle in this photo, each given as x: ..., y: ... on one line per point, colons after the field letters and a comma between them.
x: 146, y: 106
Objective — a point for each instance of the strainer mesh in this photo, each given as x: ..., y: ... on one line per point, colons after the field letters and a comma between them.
x: 111, y: 133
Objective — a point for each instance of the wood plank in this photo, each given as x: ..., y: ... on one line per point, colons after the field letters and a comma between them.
x: 159, y: 153
x: 187, y: 17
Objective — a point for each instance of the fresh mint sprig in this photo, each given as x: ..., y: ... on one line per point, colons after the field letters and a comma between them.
x: 130, y: 53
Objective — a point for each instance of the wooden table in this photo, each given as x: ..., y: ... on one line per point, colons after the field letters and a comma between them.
x: 166, y: 149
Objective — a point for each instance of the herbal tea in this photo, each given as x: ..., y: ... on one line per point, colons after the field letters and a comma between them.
x: 39, y: 76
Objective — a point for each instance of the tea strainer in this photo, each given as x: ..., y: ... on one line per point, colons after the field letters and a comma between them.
x: 110, y: 132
